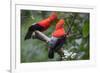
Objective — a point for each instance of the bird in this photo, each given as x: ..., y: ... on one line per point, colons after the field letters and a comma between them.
x: 57, y: 39
x: 42, y: 25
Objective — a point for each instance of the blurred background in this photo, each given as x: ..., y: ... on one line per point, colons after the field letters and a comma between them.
x: 37, y: 51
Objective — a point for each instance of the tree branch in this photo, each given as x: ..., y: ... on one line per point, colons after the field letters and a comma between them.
x: 39, y: 35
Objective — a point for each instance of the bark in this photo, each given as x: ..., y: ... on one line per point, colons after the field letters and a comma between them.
x: 39, y: 35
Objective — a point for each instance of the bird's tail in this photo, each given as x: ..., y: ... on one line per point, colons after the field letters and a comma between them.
x: 28, y: 35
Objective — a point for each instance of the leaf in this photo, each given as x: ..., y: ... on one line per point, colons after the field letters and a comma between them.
x: 85, y: 29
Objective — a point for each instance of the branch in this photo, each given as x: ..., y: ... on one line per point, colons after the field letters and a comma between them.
x: 71, y: 24
x: 39, y: 35
x: 76, y: 35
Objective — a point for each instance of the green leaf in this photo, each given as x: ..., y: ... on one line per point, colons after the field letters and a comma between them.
x: 85, y: 30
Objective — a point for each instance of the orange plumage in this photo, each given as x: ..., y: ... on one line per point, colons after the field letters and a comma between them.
x: 59, y: 31
x: 47, y: 22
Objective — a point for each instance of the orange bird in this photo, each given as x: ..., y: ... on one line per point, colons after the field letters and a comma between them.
x: 42, y: 25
